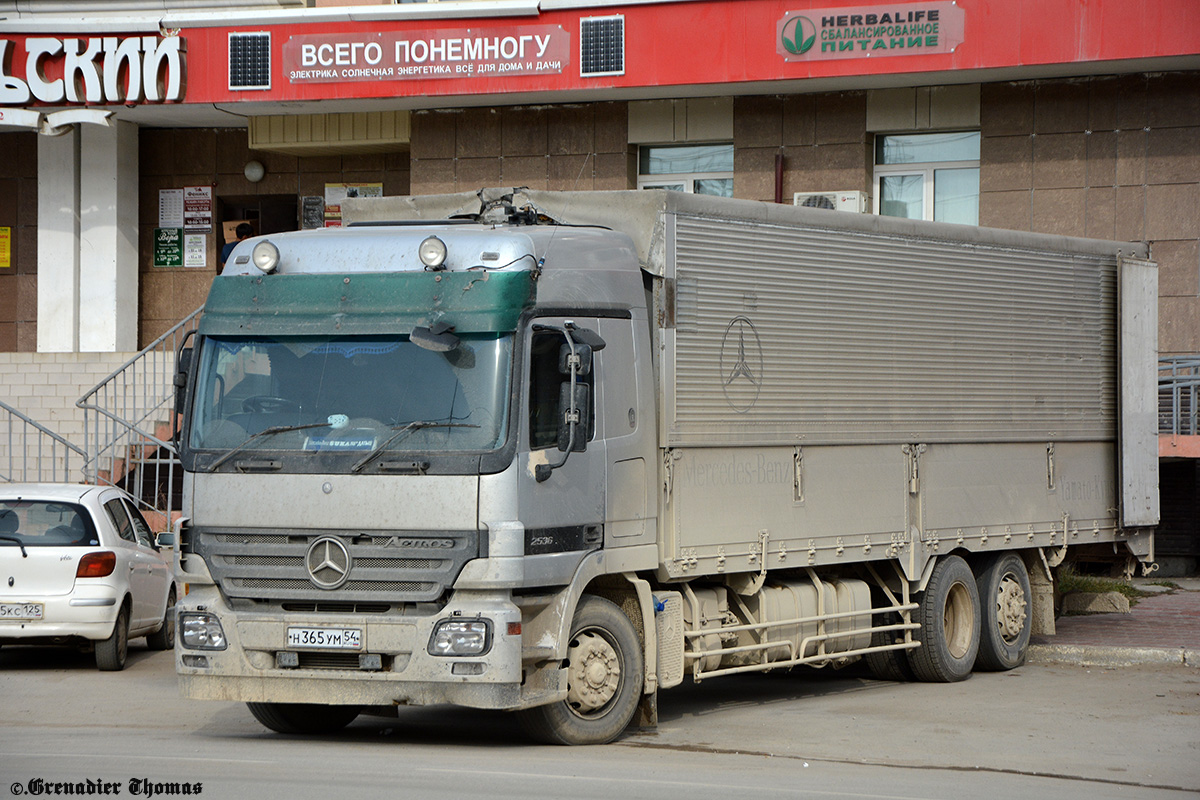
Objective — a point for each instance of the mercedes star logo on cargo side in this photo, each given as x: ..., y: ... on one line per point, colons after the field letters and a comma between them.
x: 741, y: 364
x: 328, y: 562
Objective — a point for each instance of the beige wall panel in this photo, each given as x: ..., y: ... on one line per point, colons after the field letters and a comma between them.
x: 954, y: 106
x: 892, y: 109
x: 709, y: 119
x: 652, y: 121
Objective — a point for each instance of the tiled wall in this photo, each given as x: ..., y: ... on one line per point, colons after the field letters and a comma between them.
x: 18, y: 212
x: 45, y: 386
x: 174, y: 158
x: 822, y: 137
x: 1109, y: 158
x: 578, y: 148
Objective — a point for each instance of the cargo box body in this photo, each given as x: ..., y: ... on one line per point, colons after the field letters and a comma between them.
x: 836, y: 387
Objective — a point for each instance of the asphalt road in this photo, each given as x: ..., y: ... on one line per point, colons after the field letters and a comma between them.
x: 1038, y: 731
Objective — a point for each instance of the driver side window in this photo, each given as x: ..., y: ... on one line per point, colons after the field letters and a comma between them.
x: 545, y: 385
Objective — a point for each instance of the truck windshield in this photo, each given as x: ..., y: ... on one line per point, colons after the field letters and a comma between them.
x: 350, y: 394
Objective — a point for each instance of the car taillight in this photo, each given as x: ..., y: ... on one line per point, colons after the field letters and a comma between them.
x: 97, y: 565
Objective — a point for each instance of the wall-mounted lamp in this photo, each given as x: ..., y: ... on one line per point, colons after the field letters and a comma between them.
x: 254, y: 171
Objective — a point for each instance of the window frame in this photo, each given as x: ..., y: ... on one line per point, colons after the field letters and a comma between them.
x: 925, y: 169
x: 687, y: 180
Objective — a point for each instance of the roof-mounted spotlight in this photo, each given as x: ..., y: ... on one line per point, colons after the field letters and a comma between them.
x: 432, y: 253
x: 265, y: 256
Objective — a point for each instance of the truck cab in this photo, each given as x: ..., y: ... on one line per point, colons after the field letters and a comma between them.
x: 400, y: 442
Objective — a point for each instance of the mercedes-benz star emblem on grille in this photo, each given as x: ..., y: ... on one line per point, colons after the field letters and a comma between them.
x: 328, y: 562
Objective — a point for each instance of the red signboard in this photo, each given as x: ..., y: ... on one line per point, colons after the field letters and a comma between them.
x: 443, y: 53
x: 706, y: 45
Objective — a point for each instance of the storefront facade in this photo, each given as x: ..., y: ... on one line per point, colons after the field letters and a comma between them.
x: 1046, y: 115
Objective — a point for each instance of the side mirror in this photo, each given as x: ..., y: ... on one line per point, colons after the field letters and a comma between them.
x: 582, y: 417
x: 183, y: 365
x: 164, y: 539
x: 582, y: 359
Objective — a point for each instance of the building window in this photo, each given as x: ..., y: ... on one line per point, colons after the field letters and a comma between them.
x: 697, y: 168
x: 931, y: 176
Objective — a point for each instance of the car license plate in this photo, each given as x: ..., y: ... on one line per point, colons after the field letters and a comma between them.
x: 20, y: 610
x: 333, y: 638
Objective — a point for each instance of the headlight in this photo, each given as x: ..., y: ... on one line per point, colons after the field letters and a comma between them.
x: 453, y: 637
x: 201, y: 632
x: 265, y: 256
x: 432, y: 252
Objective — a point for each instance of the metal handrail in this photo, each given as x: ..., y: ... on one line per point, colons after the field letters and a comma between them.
x: 29, y: 464
x: 1178, y: 393
x: 131, y: 412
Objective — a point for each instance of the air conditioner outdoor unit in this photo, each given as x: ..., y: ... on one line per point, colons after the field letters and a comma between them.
x: 833, y: 201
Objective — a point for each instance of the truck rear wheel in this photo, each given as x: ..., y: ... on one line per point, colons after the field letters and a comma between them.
x: 1004, y: 595
x: 889, y: 665
x: 949, y: 617
x: 604, y: 680
x: 303, y: 717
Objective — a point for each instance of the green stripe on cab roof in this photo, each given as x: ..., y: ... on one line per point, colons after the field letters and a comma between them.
x: 365, y: 303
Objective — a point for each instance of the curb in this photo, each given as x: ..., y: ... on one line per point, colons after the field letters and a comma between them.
x: 1100, y: 656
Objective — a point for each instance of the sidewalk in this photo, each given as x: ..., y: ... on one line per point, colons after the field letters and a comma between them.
x: 1163, y: 629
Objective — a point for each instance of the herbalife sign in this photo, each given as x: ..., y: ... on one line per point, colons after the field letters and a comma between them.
x: 906, y: 29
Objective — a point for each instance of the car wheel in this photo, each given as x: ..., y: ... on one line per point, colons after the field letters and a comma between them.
x: 309, y: 718
x: 111, y: 652
x: 164, y: 637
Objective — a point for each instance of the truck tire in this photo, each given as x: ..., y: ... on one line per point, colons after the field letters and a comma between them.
x: 889, y: 665
x: 949, y: 617
x: 604, y: 680
x: 303, y: 718
x: 164, y: 637
x: 111, y: 652
x: 1005, y: 621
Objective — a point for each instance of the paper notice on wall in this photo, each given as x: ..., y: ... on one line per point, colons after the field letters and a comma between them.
x: 170, y: 208
x: 312, y: 213
x: 197, y: 209
x: 195, y: 250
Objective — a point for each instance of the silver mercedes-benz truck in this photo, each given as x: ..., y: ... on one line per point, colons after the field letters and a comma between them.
x: 554, y: 452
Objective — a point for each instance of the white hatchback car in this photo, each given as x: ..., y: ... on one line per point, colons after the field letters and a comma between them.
x: 79, y: 564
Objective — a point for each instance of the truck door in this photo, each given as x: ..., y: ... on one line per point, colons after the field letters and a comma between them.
x: 565, y: 512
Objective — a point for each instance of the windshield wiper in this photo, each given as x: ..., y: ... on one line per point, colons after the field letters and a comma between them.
x: 20, y: 543
x: 400, y: 432
x: 264, y: 432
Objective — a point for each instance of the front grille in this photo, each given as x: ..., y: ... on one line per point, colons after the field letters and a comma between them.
x: 364, y: 563
x: 386, y: 567
x: 337, y: 608
x: 350, y: 586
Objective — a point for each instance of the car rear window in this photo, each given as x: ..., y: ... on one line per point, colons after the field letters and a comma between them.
x: 38, y: 523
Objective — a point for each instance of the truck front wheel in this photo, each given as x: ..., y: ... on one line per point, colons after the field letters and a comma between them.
x: 604, y: 680
x: 949, y: 617
x: 303, y: 718
x: 1004, y: 599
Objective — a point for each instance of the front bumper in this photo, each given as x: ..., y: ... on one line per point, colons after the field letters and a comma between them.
x: 249, y: 668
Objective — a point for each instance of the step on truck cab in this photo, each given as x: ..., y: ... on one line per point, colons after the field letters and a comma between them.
x: 554, y: 452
